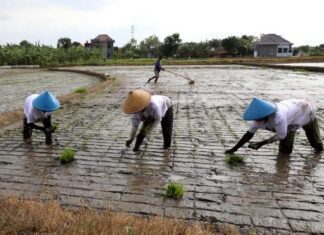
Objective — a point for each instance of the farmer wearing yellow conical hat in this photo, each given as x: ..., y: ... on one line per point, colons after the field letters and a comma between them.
x: 38, y: 108
x: 151, y: 110
x: 283, y: 118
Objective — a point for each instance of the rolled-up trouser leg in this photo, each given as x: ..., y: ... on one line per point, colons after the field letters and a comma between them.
x: 48, y: 129
x: 287, y: 144
x: 157, y: 75
x: 167, y: 125
x: 313, y: 135
x: 27, y: 130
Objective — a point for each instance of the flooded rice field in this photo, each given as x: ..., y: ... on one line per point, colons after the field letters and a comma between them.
x: 17, y: 84
x: 269, y: 192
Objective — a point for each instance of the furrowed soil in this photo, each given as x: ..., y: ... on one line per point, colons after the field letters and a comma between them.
x: 269, y: 193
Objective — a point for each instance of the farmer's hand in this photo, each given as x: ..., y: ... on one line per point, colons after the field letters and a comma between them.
x: 230, y: 151
x: 128, y: 142
x: 255, y: 145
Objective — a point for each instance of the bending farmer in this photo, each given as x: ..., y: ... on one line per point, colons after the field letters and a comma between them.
x: 157, y: 69
x: 38, y: 108
x: 283, y: 118
x: 151, y: 110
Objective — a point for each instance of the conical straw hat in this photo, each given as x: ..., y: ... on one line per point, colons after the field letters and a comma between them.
x: 258, y: 109
x: 136, y: 101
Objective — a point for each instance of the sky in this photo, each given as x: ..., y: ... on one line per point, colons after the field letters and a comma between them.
x: 45, y: 21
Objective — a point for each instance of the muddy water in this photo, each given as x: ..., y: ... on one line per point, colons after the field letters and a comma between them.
x: 17, y: 84
x: 269, y: 192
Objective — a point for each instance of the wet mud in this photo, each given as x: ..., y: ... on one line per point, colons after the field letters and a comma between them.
x: 17, y: 84
x: 270, y: 193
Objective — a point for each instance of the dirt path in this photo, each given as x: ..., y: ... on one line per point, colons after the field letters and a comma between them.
x: 267, y: 193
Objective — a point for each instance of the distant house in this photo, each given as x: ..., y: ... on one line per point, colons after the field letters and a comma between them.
x: 104, y: 42
x: 272, y: 45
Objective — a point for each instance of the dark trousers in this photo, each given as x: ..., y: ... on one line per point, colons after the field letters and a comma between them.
x: 312, y: 133
x: 167, y: 125
x: 47, y: 129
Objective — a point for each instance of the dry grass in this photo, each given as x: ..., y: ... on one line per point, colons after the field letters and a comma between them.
x: 25, y: 216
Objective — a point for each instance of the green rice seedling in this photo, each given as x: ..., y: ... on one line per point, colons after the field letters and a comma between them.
x: 80, y: 90
x: 67, y: 155
x: 234, y: 160
x: 174, y: 190
x: 54, y: 126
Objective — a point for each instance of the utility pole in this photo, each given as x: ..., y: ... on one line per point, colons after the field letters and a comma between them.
x: 132, y: 31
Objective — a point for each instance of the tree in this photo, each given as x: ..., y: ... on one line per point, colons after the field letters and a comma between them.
x: 25, y: 43
x: 246, y: 45
x: 215, y: 43
x: 171, y: 45
x: 130, y: 50
x: 305, y: 49
x: 76, y: 44
x: 231, y: 45
x: 64, y: 43
x: 150, y: 46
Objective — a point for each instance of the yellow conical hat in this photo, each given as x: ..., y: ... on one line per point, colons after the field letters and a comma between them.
x: 136, y: 101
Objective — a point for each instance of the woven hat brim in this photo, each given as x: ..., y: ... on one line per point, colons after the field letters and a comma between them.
x: 137, y: 101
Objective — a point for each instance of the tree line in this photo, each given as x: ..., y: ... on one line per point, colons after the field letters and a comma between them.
x: 68, y: 52
x: 173, y: 47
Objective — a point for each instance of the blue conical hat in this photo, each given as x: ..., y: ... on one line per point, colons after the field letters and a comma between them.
x: 46, y: 102
x: 259, y: 109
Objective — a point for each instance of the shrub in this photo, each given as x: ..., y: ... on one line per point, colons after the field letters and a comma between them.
x: 80, y: 90
x: 174, y: 190
x: 234, y: 160
x: 67, y: 155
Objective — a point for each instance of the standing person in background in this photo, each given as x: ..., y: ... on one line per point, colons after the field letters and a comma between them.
x: 283, y: 118
x: 157, y: 69
x: 38, y: 108
x: 151, y: 110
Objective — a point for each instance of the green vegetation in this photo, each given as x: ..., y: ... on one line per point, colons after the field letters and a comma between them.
x: 234, y: 160
x: 133, y: 53
x: 67, y: 155
x: 34, y: 54
x: 80, y: 90
x: 55, y: 126
x: 174, y: 190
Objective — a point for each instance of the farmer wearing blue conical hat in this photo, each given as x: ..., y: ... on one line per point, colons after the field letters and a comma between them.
x: 38, y: 108
x: 282, y: 118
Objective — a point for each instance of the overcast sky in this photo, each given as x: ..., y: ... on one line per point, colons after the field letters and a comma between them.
x: 45, y: 21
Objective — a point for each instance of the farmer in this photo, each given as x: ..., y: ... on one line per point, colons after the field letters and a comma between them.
x: 157, y: 69
x: 151, y: 110
x: 282, y: 118
x: 38, y: 108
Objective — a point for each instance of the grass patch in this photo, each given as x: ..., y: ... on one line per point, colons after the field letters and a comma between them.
x: 235, y: 160
x: 80, y: 90
x: 24, y: 216
x: 67, y: 155
x: 174, y: 190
